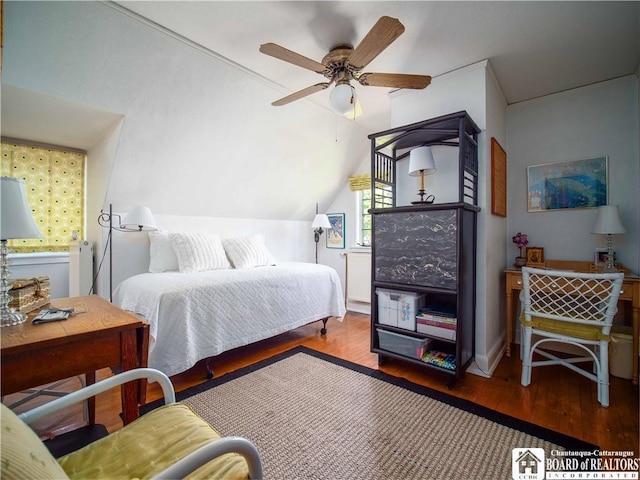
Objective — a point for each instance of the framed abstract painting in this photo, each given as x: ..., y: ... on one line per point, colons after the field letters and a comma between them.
x: 565, y: 185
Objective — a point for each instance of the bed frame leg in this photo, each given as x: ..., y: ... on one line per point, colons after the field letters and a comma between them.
x: 207, y: 365
x: 323, y: 330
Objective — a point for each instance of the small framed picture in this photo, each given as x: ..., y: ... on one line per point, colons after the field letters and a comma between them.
x: 600, y: 257
x: 535, y: 257
x: 335, y: 235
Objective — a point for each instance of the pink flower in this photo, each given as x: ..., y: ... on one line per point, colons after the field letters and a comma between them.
x: 520, y: 239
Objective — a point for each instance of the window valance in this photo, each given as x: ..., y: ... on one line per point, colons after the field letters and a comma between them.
x: 360, y: 182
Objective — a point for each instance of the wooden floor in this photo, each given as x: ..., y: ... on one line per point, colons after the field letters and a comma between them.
x: 558, y: 398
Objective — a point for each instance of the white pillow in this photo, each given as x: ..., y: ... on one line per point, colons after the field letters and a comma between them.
x: 248, y: 252
x: 162, y: 257
x: 198, y: 252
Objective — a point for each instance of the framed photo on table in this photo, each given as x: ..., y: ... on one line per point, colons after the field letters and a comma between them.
x: 535, y: 257
x: 335, y: 235
x: 600, y: 257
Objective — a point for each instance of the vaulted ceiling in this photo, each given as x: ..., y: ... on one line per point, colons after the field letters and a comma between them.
x: 535, y: 48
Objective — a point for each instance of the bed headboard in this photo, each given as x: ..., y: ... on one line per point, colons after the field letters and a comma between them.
x: 286, y: 240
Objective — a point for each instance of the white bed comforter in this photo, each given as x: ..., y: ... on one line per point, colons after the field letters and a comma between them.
x: 199, y: 315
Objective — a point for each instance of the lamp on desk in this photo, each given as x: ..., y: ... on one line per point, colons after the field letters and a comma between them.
x: 319, y: 222
x: 16, y: 222
x: 421, y: 163
x: 608, y: 223
x: 137, y: 220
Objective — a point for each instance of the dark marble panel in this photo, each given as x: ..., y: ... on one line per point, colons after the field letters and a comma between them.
x: 417, y: 248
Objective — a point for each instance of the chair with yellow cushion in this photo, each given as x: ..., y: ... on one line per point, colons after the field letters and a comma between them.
x: 572, y: 308
x: 168, y: 442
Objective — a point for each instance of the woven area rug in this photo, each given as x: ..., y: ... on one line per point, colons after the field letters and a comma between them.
x: 315, y: 416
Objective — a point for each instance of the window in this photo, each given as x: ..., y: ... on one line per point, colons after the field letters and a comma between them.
x: 383, y: 198
x: 54, y: 180
x: 363, y: 204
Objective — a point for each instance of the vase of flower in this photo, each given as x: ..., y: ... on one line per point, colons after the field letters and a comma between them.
x: 521, y: 241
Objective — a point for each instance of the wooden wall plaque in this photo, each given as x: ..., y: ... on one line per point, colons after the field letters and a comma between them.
x: 498, y: 179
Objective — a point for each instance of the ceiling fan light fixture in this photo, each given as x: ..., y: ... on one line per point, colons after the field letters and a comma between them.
x: 342, y: 98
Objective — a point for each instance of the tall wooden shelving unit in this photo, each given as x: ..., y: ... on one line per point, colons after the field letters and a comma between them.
x: 427, y: 249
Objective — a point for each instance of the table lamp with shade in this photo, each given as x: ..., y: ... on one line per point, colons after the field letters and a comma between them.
x: 16, y: 222
x: 608, y: 223
x: 421, y: 163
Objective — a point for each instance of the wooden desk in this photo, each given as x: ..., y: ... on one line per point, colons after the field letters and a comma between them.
x: 630, y: 293
x: 104, y: 336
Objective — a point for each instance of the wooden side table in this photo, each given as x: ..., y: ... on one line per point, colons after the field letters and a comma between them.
x: 103, y: 336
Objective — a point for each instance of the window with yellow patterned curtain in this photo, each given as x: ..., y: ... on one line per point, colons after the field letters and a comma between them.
x: 54, y: 180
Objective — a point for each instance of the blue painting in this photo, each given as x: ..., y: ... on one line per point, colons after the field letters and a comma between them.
x: 575, y: 184
x: 335, y: 235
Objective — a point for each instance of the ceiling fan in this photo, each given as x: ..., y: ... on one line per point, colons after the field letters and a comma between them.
x: 344, y: 63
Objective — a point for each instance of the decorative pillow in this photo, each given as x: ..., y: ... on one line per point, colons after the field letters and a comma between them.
x: 23, y: 454
x: 162, y: 256
x: 248, y: 252
x: 197, y: 252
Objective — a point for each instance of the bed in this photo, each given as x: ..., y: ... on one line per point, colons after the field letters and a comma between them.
x: 195, y: 315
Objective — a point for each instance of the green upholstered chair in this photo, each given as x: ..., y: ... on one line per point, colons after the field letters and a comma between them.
x: 168, y: 442
x: 571, y: 308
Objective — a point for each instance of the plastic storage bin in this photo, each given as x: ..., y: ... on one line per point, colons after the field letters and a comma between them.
x: 398, y: 309
x: 401, y: 344
x: 621, y: 352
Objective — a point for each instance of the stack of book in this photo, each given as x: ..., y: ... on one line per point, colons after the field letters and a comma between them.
x: 438, y: 323
x: 441, y: 359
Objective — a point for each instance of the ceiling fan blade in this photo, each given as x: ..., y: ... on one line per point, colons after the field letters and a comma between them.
x: 381, y: 35
x: 301, y: 94
x: 282, y: 53
x: 395, y: 80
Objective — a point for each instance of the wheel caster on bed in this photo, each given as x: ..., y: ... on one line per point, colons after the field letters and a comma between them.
x: 323, y: 330
x: 382, y: 360
x: 209, y: 371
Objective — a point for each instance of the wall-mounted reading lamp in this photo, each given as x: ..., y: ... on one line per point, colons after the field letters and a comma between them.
x: 319, y: 222
x: 137, y: 220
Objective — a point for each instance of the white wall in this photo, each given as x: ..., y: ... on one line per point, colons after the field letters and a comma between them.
x: 588, y: 122
x: 491, y: 237
x: 638, y: 116
x: 344, y: 202
x: 198, y: 136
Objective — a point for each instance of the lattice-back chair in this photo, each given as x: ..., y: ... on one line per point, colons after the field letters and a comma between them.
x: 573, y: 308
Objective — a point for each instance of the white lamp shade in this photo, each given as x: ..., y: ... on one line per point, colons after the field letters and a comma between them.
x: 139, y: 218
x: 321, y: 221
x: 608, y: 221
x: 342, y: 98
x: 16, y: 220
x: 421, y: 159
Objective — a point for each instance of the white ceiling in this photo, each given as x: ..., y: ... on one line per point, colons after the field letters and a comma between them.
x: 535, y: 48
